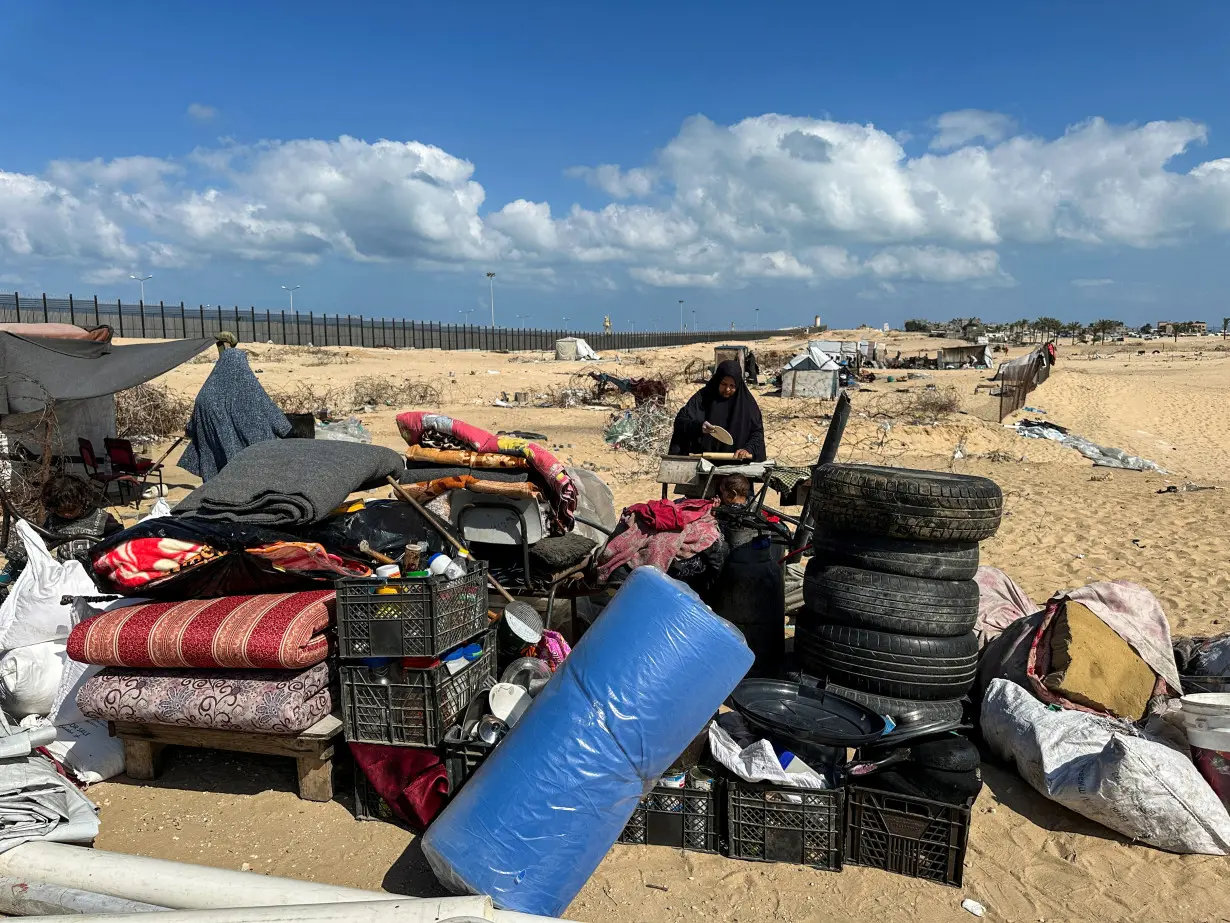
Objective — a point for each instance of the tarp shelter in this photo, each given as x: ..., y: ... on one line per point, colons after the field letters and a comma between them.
x: 571, y: 349
x: 812, y: 373
x: 958, y: 356
x: 840, y: 349
x: 68, y: 385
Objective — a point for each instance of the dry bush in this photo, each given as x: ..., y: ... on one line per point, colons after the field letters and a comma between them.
x: 307, y: 355
x: 393, y: 392
x: 304, y: 397
x: 150, y: 412
x: 926, y: 406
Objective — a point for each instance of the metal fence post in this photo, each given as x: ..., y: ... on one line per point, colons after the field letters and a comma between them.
x: 183, y: 321
x: 96, y: 323
x: 72, y: 313
x: 162, y: 312
x: 141, y: 308
x: 282, y: 329
x: 119, y: 313
x: 45, y: 308
x: 17, y: 302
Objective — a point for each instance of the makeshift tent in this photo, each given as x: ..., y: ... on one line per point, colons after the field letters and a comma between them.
x: 66, y: 385
x: 812, y: 373
x: 840, y: 349
x: 958, y: 356
x: 570, y: 349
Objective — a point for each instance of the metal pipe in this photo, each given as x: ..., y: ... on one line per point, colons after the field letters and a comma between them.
x: 404, y: 910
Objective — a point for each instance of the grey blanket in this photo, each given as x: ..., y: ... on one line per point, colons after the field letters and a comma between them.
x: 232, y: 411
x: 291, y: 482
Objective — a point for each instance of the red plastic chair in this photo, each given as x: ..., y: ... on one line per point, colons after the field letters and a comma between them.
x: 125, y: 461
x: 89, y: 461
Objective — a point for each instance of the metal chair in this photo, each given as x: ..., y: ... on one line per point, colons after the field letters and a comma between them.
x: 125, y: 461
x: 90, y: 462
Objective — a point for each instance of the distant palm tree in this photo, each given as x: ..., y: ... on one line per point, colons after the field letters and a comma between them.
x: 1225, y: 322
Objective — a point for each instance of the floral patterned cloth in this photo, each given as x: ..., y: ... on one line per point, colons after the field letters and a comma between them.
x: 263, y: 701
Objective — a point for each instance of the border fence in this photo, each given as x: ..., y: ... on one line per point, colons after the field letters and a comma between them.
x: 253, y: 325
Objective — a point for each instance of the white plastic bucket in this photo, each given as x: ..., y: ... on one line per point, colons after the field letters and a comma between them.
x: 1206, y: 710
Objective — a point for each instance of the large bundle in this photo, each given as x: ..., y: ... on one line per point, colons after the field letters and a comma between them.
x: 538, y: 816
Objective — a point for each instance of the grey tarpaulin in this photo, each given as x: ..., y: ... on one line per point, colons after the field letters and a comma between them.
x: 35, y: 370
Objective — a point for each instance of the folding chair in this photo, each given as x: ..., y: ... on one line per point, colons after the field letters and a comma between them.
x: 90, y: 462
x: 125, y: 461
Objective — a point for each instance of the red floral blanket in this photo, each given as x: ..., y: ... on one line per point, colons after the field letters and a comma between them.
x: 276, y: 631
x: 563, y: 493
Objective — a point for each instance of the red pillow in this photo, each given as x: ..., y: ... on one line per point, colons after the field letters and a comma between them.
x: 272, y: 631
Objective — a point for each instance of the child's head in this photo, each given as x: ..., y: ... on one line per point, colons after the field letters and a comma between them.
x: 735, y: 490
x: 68, y: 497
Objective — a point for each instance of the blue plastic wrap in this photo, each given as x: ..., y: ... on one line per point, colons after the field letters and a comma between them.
x: 543, y: 810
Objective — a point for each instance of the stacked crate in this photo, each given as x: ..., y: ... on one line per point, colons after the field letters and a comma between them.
x: 395, y: 636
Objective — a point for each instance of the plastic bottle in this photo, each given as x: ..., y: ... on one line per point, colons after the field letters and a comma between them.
x: 437, y: 564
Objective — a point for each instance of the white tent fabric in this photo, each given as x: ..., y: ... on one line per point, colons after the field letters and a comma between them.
x: 812, y: 359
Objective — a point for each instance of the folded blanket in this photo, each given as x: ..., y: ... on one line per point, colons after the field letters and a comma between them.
x: 638, y: 544
x: 276, y: 631
x: 432, y: 489
x: 416, y: 427
x: 263, y: 701
x: 464, y: 457
x: 289, y: 482
x: 139, y: 561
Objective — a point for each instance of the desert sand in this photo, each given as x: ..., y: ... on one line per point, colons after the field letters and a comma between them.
x: 1065, y: 524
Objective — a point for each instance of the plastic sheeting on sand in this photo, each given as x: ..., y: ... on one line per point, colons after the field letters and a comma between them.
x: 542, y: 811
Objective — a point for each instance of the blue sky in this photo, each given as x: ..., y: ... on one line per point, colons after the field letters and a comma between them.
x: 866, y: 162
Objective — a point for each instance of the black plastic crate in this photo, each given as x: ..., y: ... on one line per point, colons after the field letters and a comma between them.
x: 463, y: 760
x: 424, y: 618
x: 368, y: 805
x: 907, y: 835
x: 769, y: 823
x: 682, y: 818
x: 393, y: 704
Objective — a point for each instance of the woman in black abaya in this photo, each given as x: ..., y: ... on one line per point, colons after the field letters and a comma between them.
x: 726, y: 402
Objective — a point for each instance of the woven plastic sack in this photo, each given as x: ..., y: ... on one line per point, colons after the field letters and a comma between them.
x: 1138, y: 787
x: 546, y: 806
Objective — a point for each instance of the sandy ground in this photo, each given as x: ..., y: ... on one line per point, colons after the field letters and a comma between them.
x: 1065, y: 524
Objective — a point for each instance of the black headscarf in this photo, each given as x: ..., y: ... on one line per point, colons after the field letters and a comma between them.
x: 739, y: 415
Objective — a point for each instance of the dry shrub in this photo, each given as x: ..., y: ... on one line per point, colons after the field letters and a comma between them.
x: 927, y: 406
x: 393, y: 392
x: 306, y: 355
x: 304, y: 397
x: 150, y: 412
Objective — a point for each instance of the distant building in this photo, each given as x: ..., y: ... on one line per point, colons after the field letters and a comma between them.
x: 971, y: 332
x: 1166, y: 327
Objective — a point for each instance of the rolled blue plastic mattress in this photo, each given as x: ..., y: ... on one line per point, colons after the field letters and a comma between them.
x: 539, y: 815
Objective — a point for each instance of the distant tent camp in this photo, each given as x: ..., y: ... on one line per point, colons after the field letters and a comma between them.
x: 958, y: 356
x: 54, y: 390
x: 812, y: 373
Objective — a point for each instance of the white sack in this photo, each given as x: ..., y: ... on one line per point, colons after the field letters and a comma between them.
x: 758, y: 762
x: 30, y: 677
x: 1137, y: 787
x: 85, y: 747
x: 32, y: 613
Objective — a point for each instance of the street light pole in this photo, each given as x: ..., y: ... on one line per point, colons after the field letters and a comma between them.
x: 491, y: 286
x: 681, y: 315
x: 290, y: 290
x: 142, y: 280
x: 758, y: 318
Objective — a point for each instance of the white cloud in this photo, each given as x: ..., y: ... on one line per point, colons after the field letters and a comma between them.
x: 1092, y: 283
x: 618, y: 184
x: 954, y: 129
x: 202, y: 112
x: 664, y: 278
x: 798, y: 200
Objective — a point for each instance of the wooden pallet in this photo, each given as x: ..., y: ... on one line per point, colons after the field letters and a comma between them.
x: 312, y: 750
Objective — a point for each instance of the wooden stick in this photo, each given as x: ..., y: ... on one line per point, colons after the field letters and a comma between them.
x: 375, y: 555
x: 404, y: 494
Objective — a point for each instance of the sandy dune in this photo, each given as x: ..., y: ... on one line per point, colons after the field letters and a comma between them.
x: 1066, y: 524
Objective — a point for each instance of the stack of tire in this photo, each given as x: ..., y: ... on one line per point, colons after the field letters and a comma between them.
x: 890, y: 600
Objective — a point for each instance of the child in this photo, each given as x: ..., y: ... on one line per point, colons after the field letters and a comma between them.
x: 735, y: 490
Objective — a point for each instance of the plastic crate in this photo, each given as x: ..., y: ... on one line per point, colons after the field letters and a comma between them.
x: 682, y: 818
x: 462, y: 761
x: 368, y: 805
x: 424, y: 618
x: 767, y: 823
x: 906, y: 835
x: 393, y: 704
